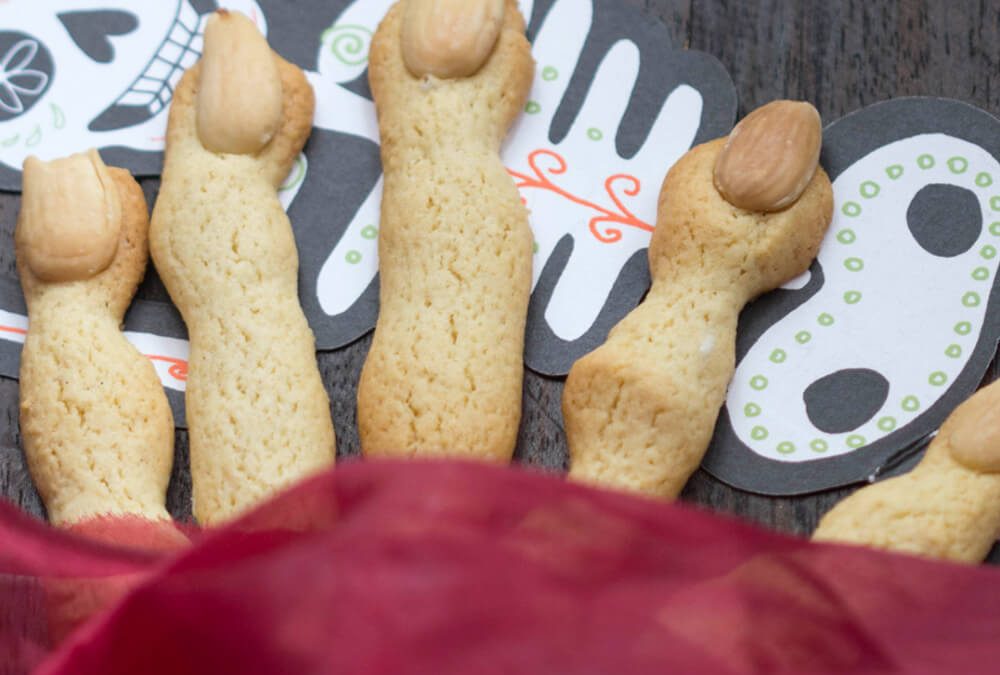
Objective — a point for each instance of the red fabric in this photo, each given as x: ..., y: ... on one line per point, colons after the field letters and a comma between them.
x: 450, y: 568
x: 71, y: 601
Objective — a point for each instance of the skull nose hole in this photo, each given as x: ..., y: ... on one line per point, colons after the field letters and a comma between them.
x: 946, y: 220
x: 844, y: 400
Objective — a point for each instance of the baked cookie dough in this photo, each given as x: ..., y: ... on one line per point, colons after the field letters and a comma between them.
x: 97, y: 431
x: 947, y: 507
x: 443, y: 376
x: 258, y: 415
x: 736, y: 217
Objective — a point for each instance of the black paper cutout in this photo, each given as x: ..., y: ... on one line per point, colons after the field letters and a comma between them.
x: 293, y: 28
x: 91, y: 30
x: 547, y: 347
x: 343, y: 169
x: 349, y: 166
x: 846, y: 141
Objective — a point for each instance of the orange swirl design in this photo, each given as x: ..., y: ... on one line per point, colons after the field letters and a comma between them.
x: 178, y: 367
x: 603, y: 224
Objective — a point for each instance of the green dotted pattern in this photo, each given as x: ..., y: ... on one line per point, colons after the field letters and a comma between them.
x: 368, y: 232
x: 846, y: 236
x: 786, y: 447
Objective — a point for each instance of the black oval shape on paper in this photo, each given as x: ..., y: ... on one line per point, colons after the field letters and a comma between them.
x: 844, y: 400
x: 945, y: 219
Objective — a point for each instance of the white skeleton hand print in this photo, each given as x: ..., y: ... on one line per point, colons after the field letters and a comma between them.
x: 580, y: 186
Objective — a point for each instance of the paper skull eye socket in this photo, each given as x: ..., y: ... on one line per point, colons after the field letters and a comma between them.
x: 91, y: 30
x: 946, y: 220
x: 844, y: 400
x: 26, y: 70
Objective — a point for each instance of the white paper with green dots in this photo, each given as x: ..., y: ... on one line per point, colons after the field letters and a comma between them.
x: 874, y: 269
x: 898, y: 308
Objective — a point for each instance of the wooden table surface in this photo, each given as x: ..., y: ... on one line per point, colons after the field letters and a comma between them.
x: 840, y: 55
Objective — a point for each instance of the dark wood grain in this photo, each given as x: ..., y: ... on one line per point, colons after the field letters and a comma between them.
x: 840, y: 55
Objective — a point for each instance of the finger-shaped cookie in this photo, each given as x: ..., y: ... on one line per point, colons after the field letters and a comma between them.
x: 97, y: 429
x: 946, y: 507
x: 258, y: 415
x: 444, y: 372
x: 736, y: 217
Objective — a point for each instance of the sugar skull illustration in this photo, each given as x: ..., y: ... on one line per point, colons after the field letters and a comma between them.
x: 897, y: 320
x: 75, y: 75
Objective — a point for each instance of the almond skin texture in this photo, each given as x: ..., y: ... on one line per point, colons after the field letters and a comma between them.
x: 70, y: 217
x: 974, y: 432
x: 239, y: 93
x: 449, y: 38
x: 770, y: 156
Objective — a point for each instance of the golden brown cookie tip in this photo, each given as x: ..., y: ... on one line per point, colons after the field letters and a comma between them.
x: 770, y: 156
x: 239, y: 90
x: 70, y: 217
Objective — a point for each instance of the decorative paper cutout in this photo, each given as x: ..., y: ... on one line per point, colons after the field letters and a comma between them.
x: 106, y: 70
x: 598, y: 134
x: 898, y: 320
x: 613, y: 106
